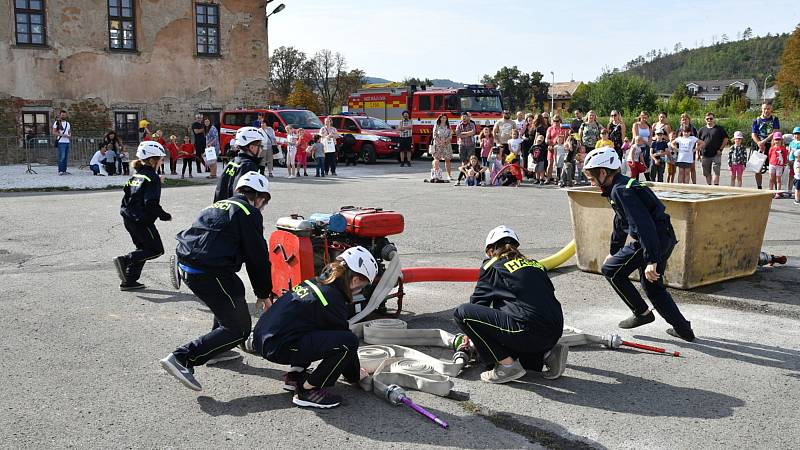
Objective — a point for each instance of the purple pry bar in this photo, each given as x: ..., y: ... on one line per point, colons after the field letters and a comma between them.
x: 407, y: 401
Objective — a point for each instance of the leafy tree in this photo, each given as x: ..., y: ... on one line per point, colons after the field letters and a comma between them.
x: 517, y: 88
x: 302, y: 97
x: 620, y: 91
x: 328, y: 73
x: 351, y: 82
x: 419, y: 82
x: 788, y: 78
x: 286, y: 67
x: 747, y: 33
x: 580, y: 98
x: 734, y: 99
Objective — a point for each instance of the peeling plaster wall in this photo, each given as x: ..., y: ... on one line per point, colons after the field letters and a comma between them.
x: 164, y: 80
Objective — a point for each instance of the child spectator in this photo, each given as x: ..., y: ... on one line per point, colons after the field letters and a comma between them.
x: 125, y: 160
x: 658, y: 156
x: 291, y: 151
x: 539, y: 152
x: 560, y: 154
x: 98, y: 158
x: 778, y: 156
x: 110, y: 162
x: 604, y: 141
x: 687, y: 147
x: 737, y: 159
x: 626, y: 145
x: 512, y: 175
x: 672, y: 156
x: 515, y: 143
x: 494, y: 165
x: 318, y: 151
x: 173, y: 148
x: 795, y: 149
x: 635, y: 160
x: 158, y: 136
x: 568, y: 173
x: 436, y: 172
x: 472, y: 171
x: 301, y: 160
x: 187, y: 155
x: 487, y: 142
x: 348, y: 149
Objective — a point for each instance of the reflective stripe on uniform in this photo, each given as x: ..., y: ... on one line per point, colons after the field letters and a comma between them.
x: 489, y: 263
x: 316, y: 290
x: 243, y: 208
x: 630, y: 183
x: 138, y: 175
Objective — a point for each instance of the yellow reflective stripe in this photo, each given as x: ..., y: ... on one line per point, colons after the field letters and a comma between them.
x: 489, y: 263
x: 630, y: 183
x: 316, y: 290
x: 244, y: 208
x: 138, y: 175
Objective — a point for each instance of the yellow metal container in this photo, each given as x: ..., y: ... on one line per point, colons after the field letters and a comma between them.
x: 719, y: 230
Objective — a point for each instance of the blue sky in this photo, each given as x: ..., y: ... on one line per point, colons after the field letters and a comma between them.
x: 462, y: 40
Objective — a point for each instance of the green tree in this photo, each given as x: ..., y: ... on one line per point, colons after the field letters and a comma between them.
x: 419, y: 82
x: 328, y: 76
x: 627, y: 93
x: 302, y: 97
x: 788, y: 78
x: 518, y: 89
x: 286, y: 67
x: 732, y: 98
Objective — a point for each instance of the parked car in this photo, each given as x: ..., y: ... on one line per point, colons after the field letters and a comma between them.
x: 232, y: 120
x: 374, y: 138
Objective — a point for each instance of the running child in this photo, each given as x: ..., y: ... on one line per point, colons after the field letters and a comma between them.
x: 248, y: 140
x: 140, y: 208
x: 640, y: 215
x: 513, y: 317
x: 737, y: 159
x: 227, y: 234
x: 310, y: 323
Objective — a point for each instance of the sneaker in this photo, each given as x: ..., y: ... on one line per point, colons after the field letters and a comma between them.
x: 501, y: 374
x: 292, y: 380
x: 229, y: 355
x: 184, y: 374
x: 121, y: 263
x: 316, y: 398
x: 556, y: 362
x: 777, y: 196
x: 458, y: 183
x: 130, y: 286
x: 686, y: 335
x: 637, y: 321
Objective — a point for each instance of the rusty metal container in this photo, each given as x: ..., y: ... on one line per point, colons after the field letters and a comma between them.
x: 719, y: 229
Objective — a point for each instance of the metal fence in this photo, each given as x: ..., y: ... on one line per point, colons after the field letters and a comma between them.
x: 41, y: 150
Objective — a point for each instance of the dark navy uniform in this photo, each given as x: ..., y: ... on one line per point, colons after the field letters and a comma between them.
x: 241, y: 164
x: 140, y: 208
x: 307, y: 324
x: 513, y: 312
x: 640, y: 214
x: 226, y: 235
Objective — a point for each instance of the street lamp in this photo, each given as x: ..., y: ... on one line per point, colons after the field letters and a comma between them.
x: 552, y: 93
x: 277, y: 9
x: 267, y: 14
x: 764, y: 92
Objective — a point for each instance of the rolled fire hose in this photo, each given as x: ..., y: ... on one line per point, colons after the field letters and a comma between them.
x: 387, y: 368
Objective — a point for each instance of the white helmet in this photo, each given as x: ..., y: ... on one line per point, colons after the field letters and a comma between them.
x: 361, y: 261
x: 247, y: 135
x: 605, y: 157
x: 500, y: 232
x: 149, y: 149
x: 255, y: 181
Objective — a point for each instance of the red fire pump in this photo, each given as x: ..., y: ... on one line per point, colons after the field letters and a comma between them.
x: 301, y: 247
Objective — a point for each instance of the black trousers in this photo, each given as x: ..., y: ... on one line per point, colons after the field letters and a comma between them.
x: 224, y: 296
x: 330, y: 163
x: 148, y: 246
x: 631, y: 258
x: 338, y: 350
x: 497, y: 335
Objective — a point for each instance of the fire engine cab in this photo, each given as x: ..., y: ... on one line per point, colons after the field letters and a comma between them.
x: 426, y: 104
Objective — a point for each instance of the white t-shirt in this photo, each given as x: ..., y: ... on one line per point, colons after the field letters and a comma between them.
x: 97, y: 158
x: 796, y: 164
x: 66, y: 128
x: 686, y: 148
x: 514, y: 145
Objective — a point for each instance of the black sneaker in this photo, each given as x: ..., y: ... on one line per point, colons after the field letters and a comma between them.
x: 637, y: 321
x: 686, y: 335
x: 316, y: 398
x: 184, y: 374
x: 229, y: 355
x: 292, y: 380
x: 130, y: 286
x: 121, y: 263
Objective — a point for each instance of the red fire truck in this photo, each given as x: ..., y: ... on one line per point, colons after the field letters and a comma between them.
x: 388, y: 103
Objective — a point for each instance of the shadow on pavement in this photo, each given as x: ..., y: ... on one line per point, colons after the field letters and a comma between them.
x: 243, y: 406
x: 631, y: 394
x: 767, y: 285
x: 166, y: 296
x: 749, y: 352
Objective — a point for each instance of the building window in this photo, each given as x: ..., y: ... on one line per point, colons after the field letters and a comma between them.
x: 30, y: 22
x: 207, y: 29
x: 121, y: 25
x: 35, y: 123
x: 126, y: 124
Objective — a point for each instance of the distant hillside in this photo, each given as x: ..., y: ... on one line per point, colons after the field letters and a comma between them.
x: 752, y: 58
x: 438, y: 82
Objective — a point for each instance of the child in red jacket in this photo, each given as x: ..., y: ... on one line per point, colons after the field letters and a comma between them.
x: 778, y: 157
x: 187, y: 154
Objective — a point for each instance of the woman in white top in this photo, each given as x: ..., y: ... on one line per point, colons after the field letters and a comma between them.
x: 328, y: 136
x: 440, y: 143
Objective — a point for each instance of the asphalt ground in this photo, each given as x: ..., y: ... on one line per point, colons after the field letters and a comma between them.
x: 80, y: 358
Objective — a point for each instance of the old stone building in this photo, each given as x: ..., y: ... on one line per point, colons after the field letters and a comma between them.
x: 110, y: 63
